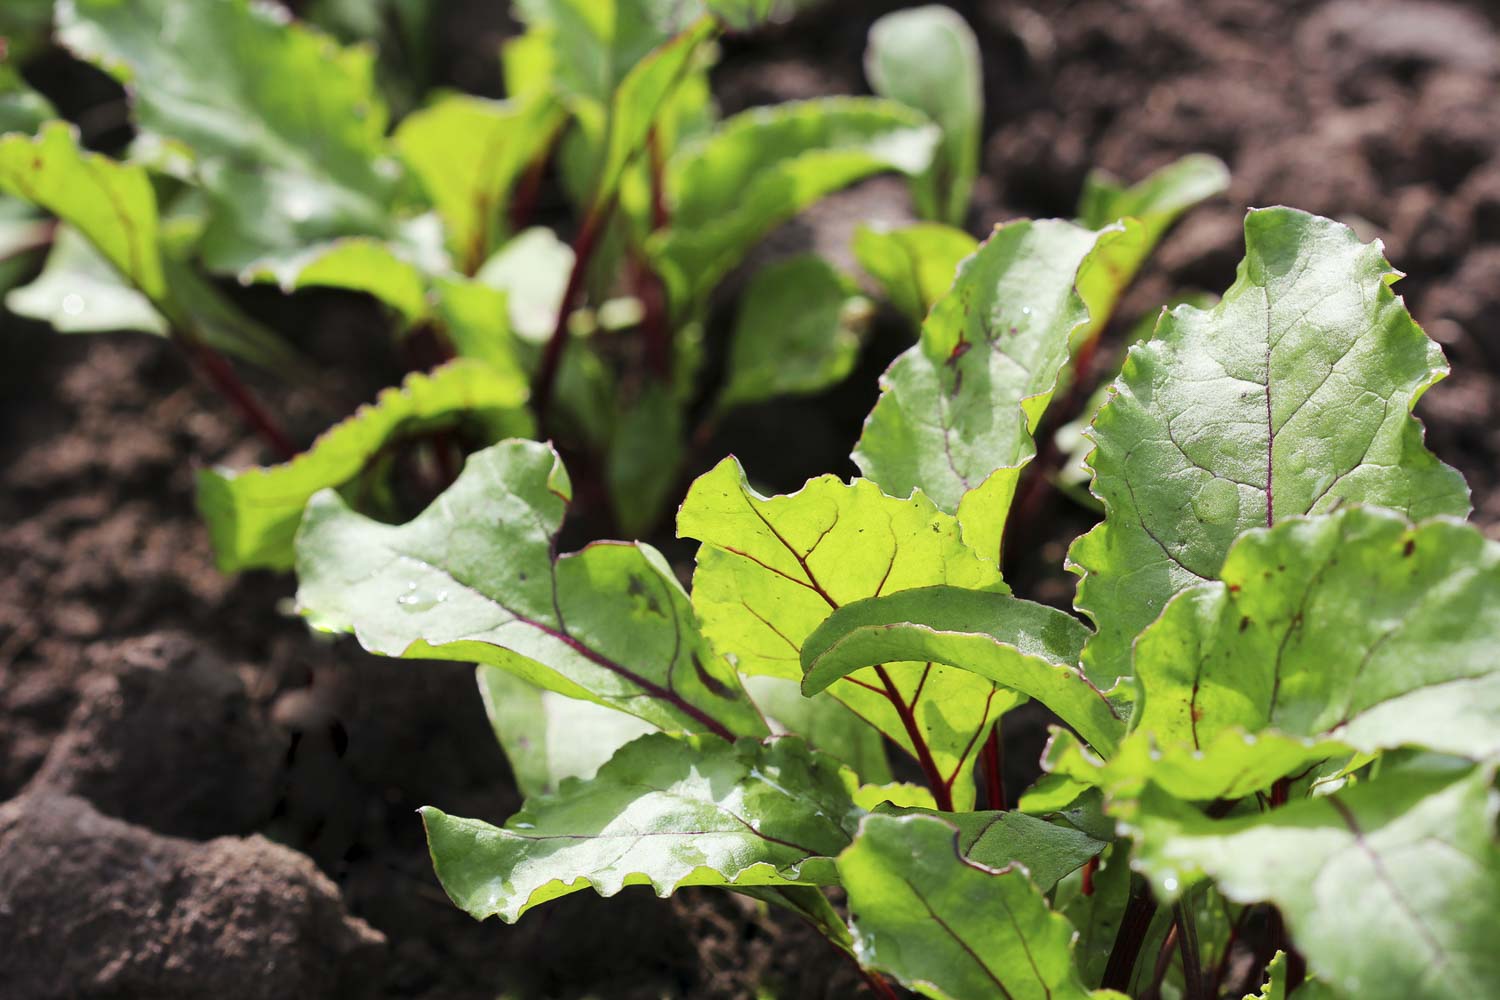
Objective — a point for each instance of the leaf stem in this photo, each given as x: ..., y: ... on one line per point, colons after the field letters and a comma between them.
x: 1187, y: 948
x: 994, y: 759
x: 942, y: 793
x: 218, y: 371
x: 1140, y: 909
x: 584, y: 245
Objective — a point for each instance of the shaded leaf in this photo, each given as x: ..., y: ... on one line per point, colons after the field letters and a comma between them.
x: 253, y: 514
x: 1048, y: 851
x: 21, y: 108
x: 665, y: 812
x: 1292, y: 396
x: 474, y: 578
x: 928, y: 58
x: 645, y: 456
x: 798, y: 332
x: 1029, y: 648
x: 356, y: 264
x: 825, y: 724
x: 948, y: 927
x: 915, y: 265
x: 548, y: 736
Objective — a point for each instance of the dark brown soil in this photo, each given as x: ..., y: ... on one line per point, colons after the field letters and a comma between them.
x: 182, y: 704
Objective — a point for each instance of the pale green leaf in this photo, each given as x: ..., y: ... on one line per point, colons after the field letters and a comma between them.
x: 948, y: 927
x: 957, y: 410
x: 548, y: 736
x: 914, y: 265
x: 772, y: 569
x: 21, y: 108
x: 285, y: 126
x: 532, y: 269
x: 1292, y: 396
x: 1029, y: 648
x: 928, y: 59
x: 110, y: 203
x: 798, y: 332
x: 665, y: 812
x: 469, y: 153
x: 1389, y: 887
x: 1154, y: 203
x: 79, y: 291
x: 476, y: 319
x: 473, y: 578
x: 765, y: 165
x: 252, y: 514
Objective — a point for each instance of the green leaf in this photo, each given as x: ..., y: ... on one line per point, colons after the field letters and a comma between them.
x: 1155, y: 204
x: 285, y: 126
x: 1048, y: 851
x: 356, y: 264
x: 543, y: 732
x: 946, y: 926
x: 21, y: 108
x: 644, y: 464
x: 1329, y: 635
x: 762, y: 167
x: 771, y: 570
x: 825, y: 724
x: 24, y: 25
x: 928, y: 59
x: 1389, y: 887
x: 253, y: 514
x: 474, y: 578
x: 469, y: 153
x: 957, y: 410
x: 1292, y: 396
x: 109, y: 203
x: 798, y: 332
x: 79, y: 291
x: 665, y: 812
x: 915, y: 265
x: 741, y: 15
x: 1029, y: 648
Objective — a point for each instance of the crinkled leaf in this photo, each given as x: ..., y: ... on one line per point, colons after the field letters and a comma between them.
x: 1389, y: 887
x: 1155, y: 203
x: 765, y: 165
x: 825, y: 724
x: 548, y: 736
x: 1292, y: 396
x: 474, y: 578
x: 286, y: 128
x: 798, y: 332
x: 772, y: 569
x: 1048, y: 851
x: 946, y: 926
x: 956, y: 411
x: 111, y: 204
x: 469, y: 153
x: 914, y: 265
x: 252, y: 514
x: 665, y: 812
x: 1355, y: 626
x: 1029, y: 648
x: 79, y: 291
x: 928, y: 59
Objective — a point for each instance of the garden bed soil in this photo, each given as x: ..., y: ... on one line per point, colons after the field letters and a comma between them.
x: 205, y: 798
